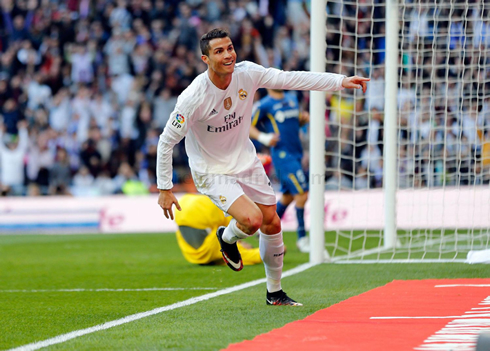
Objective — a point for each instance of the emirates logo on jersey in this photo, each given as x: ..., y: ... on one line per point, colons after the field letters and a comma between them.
x: 242, y: 94
x: 228, y: 103
x: 231, y: 121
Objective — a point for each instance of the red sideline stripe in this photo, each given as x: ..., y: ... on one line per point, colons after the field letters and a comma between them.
x: 348, y: 324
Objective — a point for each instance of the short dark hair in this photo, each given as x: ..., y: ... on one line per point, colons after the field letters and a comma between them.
x: 212, y: 34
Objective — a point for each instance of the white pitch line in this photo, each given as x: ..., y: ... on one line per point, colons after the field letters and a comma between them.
x: 131, y: 318
x: 486, y: 315
x: 103, y: 289
x: 423, y: 317
x: 467, y: 285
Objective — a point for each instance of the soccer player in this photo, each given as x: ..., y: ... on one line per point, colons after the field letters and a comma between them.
x: 214, y: 114
x: 198, y: 223
x: 276, y: 121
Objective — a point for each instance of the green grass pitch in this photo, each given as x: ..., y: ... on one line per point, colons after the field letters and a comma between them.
x: 139, y: 261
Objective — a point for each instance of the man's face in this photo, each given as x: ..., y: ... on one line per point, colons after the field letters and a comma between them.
x: 222, y: 56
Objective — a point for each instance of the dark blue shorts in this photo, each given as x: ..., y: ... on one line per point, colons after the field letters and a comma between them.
x: 291, y: 175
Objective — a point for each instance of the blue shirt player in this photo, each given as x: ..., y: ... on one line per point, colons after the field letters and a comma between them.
x: 276, y: 122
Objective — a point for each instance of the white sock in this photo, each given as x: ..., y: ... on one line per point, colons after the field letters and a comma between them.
x: 271, y: 249
x: 232, y: 233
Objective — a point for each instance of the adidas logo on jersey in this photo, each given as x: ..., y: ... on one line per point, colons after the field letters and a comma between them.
x: 214, y: 112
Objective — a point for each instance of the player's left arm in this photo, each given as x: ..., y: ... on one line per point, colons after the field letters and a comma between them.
x: 273, y: 78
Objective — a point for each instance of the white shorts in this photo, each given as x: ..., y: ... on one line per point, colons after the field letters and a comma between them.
x: 224, y: 189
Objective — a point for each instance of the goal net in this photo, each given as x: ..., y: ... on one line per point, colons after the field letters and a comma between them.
x: 442, y: 137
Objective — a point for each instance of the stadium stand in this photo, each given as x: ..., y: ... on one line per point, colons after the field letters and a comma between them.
x: 96, y: 80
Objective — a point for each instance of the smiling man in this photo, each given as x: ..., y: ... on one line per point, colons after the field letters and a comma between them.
x: 214, y: 114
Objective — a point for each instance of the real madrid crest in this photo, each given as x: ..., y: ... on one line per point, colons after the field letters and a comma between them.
x: 227, y: 103
x: 242, y: 94
x: 222, y: 199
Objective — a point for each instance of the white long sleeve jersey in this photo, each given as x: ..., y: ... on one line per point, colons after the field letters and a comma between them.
x: 216, y: 122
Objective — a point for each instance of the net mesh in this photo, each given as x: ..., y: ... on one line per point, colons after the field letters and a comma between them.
x: 443, y: 136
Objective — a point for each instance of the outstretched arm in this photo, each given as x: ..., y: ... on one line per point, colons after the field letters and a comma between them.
x: 355, y: 82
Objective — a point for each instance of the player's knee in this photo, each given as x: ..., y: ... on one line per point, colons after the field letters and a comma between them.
x: 256, y: 222
x: 272, y: 224
x: 275, y: 224
x: 252, y: 222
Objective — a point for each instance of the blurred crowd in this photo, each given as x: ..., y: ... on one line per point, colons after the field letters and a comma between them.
x: 443, y: 101
x: 86, y: 88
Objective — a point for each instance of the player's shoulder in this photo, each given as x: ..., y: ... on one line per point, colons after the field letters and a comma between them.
x: 196, y: 89
x: 193, y: 95
x: 248, y: 66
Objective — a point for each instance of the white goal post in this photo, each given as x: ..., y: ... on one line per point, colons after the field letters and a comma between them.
x: 317, y: 135
x: 407, y: 165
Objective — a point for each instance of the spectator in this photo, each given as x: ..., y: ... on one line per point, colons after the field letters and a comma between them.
x: 117, y: 51
x: 60, y: 111
x: 41, y: 158
x: 375, y: 95
x: 102, y: 111
x: 60, y: 174
x: 13, y: 149
x: 11, y: 116
x: 121, y: 84
x: 81, y: 113
x: 120, y: 17
x: 91, y: 157
x: 38, y: 93
x: 104, y: 183
x: 83, y: 183
x: 124, y: 173
x: 372, y: 161
x: 81, y: 60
